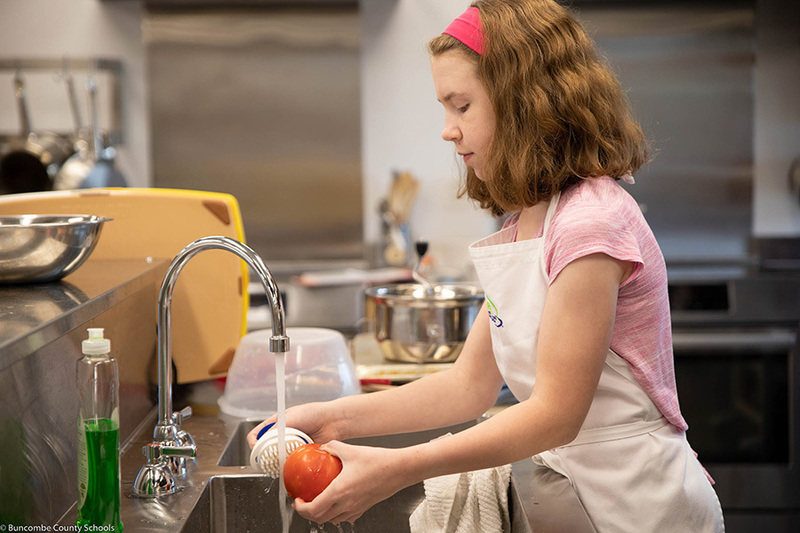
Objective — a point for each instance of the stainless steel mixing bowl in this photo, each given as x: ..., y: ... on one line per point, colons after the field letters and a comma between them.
x: 41, y: 248
x: 414, y: 326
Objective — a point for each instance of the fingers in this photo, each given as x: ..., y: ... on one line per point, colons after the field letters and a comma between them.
x: 252, y: 437
x: 333, y: 513
x: 338, y: 502
x: 325, y: 507
x: 312, y: 512
x: 337, y: 448
x: 346, y: 517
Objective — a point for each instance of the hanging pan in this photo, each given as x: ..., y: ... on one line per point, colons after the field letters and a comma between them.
x: 33, y: 159
x: 75, y: 169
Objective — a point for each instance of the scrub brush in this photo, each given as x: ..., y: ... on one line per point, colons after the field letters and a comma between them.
x: 264, y: 455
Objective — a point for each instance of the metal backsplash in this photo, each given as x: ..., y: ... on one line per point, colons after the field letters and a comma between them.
x: 264, y: 105
x: 689, y: 71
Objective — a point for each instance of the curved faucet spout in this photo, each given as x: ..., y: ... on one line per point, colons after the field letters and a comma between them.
x: 279, y: 342
x: 167, y: 454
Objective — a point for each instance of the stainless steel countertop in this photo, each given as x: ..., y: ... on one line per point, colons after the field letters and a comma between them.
x: 169, y: 513
x: 41, y: 329
x: 34, y: 315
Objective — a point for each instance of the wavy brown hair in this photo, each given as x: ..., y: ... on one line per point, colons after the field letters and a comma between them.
x: 561, y: 115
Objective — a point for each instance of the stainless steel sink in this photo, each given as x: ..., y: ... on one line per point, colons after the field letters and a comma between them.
x: 249, y: 501
x: 237, y: 451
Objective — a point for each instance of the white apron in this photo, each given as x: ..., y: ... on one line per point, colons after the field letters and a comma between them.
x: 630, y: 469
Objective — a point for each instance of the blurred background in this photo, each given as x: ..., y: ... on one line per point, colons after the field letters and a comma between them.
x: 306, y: 110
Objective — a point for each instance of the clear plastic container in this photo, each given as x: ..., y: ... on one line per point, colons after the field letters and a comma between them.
x: 318, y: 368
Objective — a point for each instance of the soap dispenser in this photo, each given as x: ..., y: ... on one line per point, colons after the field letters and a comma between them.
x: 98, y: 435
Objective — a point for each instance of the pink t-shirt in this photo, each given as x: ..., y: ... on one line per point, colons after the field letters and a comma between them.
x: 598, y: 215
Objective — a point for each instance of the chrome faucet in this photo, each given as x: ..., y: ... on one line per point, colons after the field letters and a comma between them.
x: 166, y: 455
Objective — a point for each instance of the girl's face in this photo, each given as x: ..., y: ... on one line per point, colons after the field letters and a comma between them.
x: 469, y: 117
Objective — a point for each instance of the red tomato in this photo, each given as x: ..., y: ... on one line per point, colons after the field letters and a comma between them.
x: 308, y: 470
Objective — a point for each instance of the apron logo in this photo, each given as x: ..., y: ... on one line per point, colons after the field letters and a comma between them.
x: 496, y: 320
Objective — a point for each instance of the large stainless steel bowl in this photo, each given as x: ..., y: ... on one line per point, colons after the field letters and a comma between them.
x: 41, y: 248
x: 415, y: 326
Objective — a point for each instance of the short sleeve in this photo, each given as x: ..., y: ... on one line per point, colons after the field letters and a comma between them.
x: 590, y: 223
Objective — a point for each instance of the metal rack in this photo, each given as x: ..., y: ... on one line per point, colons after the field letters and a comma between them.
x: 110, y: 69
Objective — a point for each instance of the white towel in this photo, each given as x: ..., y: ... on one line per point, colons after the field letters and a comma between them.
x: 472, y: 502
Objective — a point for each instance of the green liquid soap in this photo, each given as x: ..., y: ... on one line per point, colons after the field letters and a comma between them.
x: 100, y: 506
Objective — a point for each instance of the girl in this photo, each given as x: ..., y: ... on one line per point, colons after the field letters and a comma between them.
x: 577, y: 317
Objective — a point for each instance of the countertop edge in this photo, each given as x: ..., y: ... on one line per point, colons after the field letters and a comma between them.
x: 20, y: 347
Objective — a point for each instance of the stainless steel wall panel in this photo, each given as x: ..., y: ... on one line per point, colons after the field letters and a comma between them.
x: 265, y: 106
x: 688, y: 70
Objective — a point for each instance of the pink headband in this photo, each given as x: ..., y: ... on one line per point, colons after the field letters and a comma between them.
x: 467, y: 29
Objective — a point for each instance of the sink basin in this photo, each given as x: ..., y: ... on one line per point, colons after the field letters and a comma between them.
x: 249, y: 501
x: 237, y: 451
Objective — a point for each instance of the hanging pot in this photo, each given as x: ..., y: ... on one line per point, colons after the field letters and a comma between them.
x: 34, y: 158
x: 103, y: 173
x: 75, y: 169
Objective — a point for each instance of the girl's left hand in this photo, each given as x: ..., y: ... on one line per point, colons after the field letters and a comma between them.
x: 369, y: 475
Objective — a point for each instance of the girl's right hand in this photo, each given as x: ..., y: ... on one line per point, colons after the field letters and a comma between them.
x: 314, y: 419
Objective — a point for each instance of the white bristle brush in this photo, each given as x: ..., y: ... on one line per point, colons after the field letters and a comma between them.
x: 264, y: 455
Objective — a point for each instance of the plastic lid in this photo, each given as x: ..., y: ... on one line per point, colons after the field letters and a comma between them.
x: 96, y: 344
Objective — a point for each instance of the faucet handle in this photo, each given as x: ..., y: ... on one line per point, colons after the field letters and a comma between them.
x: 154, y: 450
x: 156, y: 477
x: 179, y: 416
x: 182, y: 438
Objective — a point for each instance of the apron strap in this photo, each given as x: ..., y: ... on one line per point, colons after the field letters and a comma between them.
x: 551, y: 209
x: 622, y: 431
